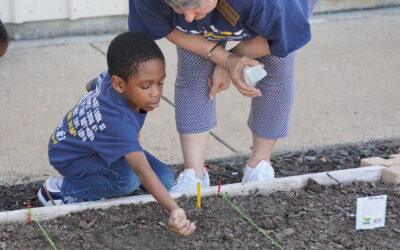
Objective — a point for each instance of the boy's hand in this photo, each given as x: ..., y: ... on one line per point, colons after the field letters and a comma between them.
x: 179, y: 224
x: 218, y: 82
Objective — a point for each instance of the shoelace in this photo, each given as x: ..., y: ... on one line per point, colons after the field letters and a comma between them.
x: 49, y: 195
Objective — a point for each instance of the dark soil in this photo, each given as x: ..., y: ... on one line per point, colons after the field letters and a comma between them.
x: 230, y: 170
x: 317, y: 217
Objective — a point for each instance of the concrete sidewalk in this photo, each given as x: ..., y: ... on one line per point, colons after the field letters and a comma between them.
x: 348, y: 90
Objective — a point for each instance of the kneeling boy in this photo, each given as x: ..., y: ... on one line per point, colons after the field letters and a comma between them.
x: 96, y: 146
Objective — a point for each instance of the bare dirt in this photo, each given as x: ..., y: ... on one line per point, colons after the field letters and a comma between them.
x: 318, y: 217
x: 230, y: 170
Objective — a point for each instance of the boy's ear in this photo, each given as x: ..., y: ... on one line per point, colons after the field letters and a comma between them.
x: 118, y: 84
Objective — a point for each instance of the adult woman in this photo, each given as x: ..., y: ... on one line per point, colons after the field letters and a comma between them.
x: 269, y: 31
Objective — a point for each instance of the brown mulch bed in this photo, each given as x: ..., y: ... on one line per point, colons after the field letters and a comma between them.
x: 317, y: 217
x: 230, y: 170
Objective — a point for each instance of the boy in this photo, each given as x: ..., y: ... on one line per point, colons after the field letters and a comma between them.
x: 3, y: 39
x: 96, y: 147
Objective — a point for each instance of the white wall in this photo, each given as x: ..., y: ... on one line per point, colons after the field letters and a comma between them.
x: 20, y: 11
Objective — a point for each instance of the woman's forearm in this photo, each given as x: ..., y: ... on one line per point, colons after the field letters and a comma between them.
x: 193, y: 43
x: 253, y: 48
x: 199, y: 45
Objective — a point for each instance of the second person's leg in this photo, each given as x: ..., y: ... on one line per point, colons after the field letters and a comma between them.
x: 269, y: 116
x: 194, y: 112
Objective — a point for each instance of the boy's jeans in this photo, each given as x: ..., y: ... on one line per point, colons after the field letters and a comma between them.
x: 91, y: 178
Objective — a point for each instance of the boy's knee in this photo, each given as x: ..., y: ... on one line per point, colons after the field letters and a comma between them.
x: 164, y: 173
x: 126, y: 184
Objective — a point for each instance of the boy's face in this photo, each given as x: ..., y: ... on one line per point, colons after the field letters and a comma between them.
x: 144, y: 89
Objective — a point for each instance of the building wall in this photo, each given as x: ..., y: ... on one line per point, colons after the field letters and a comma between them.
x: 31, y: 19
x: 21, y: 11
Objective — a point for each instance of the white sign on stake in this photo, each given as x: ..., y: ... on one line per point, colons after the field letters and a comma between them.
x: 371, y: 212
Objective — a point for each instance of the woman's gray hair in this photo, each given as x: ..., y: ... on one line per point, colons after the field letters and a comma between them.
x: 184, y: 4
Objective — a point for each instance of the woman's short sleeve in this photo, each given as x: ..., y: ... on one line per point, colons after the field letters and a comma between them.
x: 153, y: 17
x: 283, y: 23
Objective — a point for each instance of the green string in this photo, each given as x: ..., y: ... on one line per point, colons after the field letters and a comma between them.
x: 251, y: 222
x: 41, y: 228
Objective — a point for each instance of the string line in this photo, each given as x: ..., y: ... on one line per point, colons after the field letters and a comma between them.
x: 35, y: 219
x: 251, y: 222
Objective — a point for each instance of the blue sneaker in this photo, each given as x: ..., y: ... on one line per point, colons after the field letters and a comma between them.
x: 50, y: 195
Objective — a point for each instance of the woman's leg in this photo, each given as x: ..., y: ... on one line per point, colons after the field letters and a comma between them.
x: 312, y: 4
x: 261, y: 150
x: 194, y: 112
x: 194, y: 150
x: 269, y: 115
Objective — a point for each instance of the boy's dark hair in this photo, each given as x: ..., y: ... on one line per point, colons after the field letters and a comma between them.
x: 128, y: 50
x: 3, y: 34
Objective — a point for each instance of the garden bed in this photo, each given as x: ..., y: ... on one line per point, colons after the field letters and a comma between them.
x: 317, y: 217
x: 230, y: 170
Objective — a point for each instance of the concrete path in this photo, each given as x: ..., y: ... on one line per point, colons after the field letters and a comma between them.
x: 348, y: 90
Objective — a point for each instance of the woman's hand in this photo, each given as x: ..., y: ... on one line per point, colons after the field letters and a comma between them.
x: 235, y: 64
x: 179, y: 224
x: 218, y: 82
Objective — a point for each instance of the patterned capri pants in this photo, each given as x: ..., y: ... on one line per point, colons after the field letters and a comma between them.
x: 269, y: 114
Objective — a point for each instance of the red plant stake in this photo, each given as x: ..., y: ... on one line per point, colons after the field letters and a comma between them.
x: 29, y: 213
x: 219, y: 188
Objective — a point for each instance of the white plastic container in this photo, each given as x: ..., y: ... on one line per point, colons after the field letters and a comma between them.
x: 252, y: 75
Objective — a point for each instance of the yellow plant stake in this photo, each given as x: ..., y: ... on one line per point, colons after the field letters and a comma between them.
x: 198, y: 195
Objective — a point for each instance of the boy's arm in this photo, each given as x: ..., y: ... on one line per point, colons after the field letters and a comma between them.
x: 141, y: 167
x: 177, y: 222
x: 88, y: 88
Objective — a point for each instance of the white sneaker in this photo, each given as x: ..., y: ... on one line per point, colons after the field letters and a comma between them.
x: 263, y: 171
x: 187, y: 181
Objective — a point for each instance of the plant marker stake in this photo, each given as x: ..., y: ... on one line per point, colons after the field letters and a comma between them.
x: 251, y: 222
x: 29, y: 214
x: 219, y: 188
x: 42, y: 229
x: 198, y: 195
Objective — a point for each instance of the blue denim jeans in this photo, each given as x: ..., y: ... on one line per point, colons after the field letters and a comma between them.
x: 90, y: 178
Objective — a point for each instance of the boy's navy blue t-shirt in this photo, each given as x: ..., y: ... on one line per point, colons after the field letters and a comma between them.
x: 100, y: 123
x: 284, y: 23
